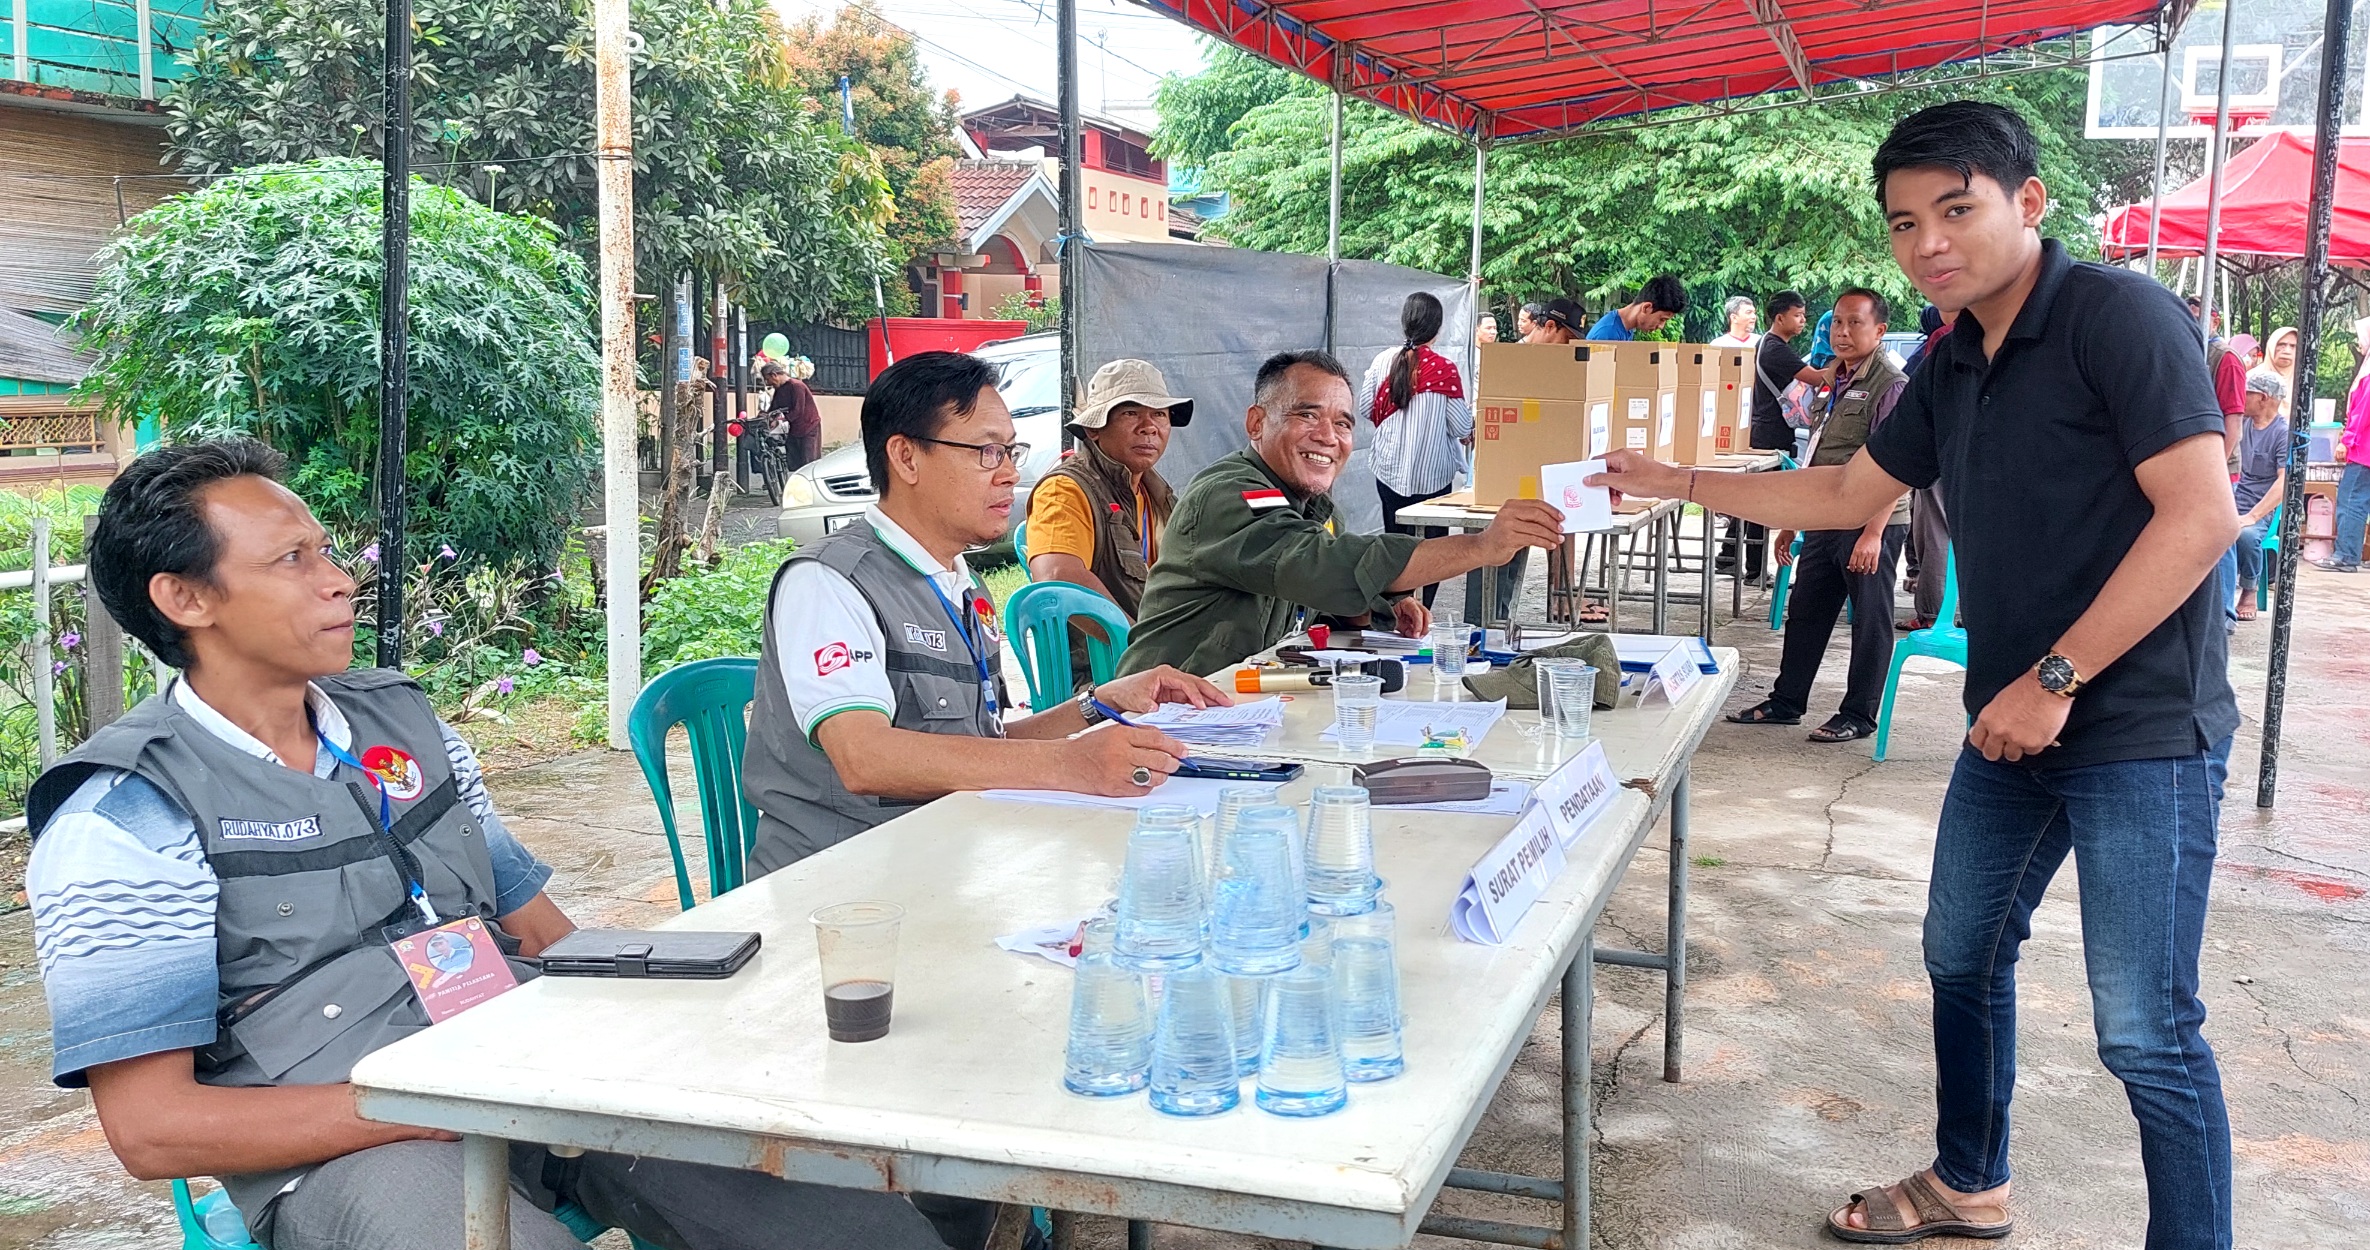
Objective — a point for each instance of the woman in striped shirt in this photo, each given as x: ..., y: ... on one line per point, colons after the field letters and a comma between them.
x: 1416, y: 399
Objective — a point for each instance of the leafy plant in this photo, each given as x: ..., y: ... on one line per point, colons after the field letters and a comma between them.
x: 251, y: 307
x: 1045, y: 314
x: 737, y: 170
x: 717, y: 613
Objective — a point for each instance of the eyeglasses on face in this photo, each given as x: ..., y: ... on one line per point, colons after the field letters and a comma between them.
x: 991, y: 455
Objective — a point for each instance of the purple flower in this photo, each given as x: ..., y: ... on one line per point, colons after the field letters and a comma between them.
x: 58, y: 668
x: 503, y: 685
x: 69, y: 640
x: 435, y: 627
x: 371, y: 553
x: 447, y: 552
x: 531, y: 657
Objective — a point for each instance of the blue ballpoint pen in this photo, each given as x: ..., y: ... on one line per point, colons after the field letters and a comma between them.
x: 1109, y: 712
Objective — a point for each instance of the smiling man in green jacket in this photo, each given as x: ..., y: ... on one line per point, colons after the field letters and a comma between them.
x: 1254, y: 541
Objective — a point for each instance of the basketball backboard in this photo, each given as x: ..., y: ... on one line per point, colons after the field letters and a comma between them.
x: 2275, y: 65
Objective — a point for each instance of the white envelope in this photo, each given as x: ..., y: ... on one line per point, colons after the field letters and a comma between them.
x: 1586, y: 508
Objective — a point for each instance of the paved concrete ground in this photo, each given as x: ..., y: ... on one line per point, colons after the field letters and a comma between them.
x: 1808, y: 1070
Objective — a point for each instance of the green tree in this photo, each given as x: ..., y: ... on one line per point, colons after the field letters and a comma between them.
x: 736, y: 169
x: 1742, y: 203
x: 908, y: 125
x: 252, y: 307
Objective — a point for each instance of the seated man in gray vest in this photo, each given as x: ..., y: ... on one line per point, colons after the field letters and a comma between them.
x: 217, y: 877
x: 881, y: 685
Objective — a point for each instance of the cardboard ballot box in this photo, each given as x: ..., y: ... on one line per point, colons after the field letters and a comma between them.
x: 1708, y: 386
x: 1646, y: 397
x: 1734, y: 434
x: 1539, y: 404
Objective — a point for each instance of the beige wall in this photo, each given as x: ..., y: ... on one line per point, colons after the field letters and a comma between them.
x: 842, y: 418
x: 1107, y: 194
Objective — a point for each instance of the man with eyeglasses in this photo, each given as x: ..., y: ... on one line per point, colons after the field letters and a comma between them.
x: 880, y: 686
x: 1253, y: 548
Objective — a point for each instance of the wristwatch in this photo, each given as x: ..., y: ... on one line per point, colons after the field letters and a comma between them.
x: 1087, y: 711
x: 2057, y: 676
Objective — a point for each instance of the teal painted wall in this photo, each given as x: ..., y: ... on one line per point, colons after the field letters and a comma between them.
x: 94, y: 45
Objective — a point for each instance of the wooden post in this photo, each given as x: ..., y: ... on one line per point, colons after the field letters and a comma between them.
x: 102, y: 656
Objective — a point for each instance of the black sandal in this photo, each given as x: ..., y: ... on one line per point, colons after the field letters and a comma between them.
x: 1766, y: 712
x: 1840, y: 728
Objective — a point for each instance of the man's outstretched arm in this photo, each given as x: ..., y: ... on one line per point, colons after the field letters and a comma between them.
x: 162, y: 1123
x: 1836, y: 498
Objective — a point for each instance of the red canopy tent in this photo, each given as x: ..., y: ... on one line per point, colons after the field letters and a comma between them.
x: 2266, y: 191
x: 1508, y: 70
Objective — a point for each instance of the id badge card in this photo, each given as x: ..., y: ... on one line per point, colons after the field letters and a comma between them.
x: 454, y: 966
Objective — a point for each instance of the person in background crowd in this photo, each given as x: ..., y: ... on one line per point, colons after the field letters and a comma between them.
x: 2249, y: 354
x: 214, y: 1020
x: 2262, y: 474
x: 880, y: 678
x: 1856, y: 564
x: 793, y: 405
x: 1822, y: 347
x: 1422, y: 419
x: 1558, y: 321
x: 1661, y: 299
x: 2227, y: 366
x: 1095, y: 518
x: 2279, y: 356
x: 1554, y: 323
x: 1486, y: 329
x: 1775, y: 367
x: 2080, y: 449
x: 1741, y: 317
x: 1526, y: 321
x: 1254, y: 545
x: 2353, y: 451
x: 1929, y: 525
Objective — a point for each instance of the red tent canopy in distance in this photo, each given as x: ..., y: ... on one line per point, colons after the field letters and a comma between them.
x: 1507, y: 70
x: 2266, y: 190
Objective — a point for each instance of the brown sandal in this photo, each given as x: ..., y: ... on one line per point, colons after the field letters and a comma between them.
x: 1888, y: 1223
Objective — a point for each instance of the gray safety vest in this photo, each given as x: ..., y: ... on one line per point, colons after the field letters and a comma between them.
x: 308, y: 984
x: 801, y: 805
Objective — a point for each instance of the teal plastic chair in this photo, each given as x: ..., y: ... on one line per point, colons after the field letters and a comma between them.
x: 1037, y: 618
x: 1944, y: 640
x: 1020, y: 544
x: 2270, y: 548
x: 710, y: 699
x: 1785, y: 573
x: 213, y: 1223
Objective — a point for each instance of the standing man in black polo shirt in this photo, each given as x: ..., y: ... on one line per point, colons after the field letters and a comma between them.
x: 2076, y: 437
x: 1776, y: 367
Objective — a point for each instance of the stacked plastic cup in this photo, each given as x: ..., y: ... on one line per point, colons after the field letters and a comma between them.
x: 1193, y: 1069
x: 1573, y: 684
x: 1256, y: 918
x: 1366, y: 992
x: 1250, y: 1022
x: 1161, y: 920
x: 1110, y: 1023
x: 1340, y: 851
x: 1233, y: 801
x: 1357, y: 703
x: 1300, y: 1063
x: 1450, y: 638
x: 1380, y: 924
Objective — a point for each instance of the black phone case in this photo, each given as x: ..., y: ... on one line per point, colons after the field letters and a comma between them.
x: 653, y: 954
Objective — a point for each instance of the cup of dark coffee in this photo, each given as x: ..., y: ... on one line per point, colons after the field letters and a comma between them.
x: 858, y: 946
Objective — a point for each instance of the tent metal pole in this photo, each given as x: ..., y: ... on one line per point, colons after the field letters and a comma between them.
x: 394, y: 329
x: 1333, y: 188
x: 2336, y: 33
x: 2163, y: 122
x: 2217, y: 155
x: 1473, y: 341
x: 613, y: 132
x: 1073, y: 197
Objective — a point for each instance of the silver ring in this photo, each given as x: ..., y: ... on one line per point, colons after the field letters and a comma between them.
x: 1142, y: 776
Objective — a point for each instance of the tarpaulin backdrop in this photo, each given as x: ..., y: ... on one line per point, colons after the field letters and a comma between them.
x: 1207, y: 317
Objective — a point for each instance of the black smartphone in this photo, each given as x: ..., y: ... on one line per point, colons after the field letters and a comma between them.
x: 1236, y: 770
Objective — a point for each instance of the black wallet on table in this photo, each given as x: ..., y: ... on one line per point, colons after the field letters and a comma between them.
x: 648, y: 953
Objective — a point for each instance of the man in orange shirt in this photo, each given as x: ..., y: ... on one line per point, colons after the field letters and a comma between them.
x: 1095, y: 518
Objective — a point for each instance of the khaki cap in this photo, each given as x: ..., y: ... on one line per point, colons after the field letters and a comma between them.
x: 1129, y: 382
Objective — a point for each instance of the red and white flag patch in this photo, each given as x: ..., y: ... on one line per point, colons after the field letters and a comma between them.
x: 1260, y: 500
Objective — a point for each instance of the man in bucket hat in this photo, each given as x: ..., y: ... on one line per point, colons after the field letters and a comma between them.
x: 1095, y: 518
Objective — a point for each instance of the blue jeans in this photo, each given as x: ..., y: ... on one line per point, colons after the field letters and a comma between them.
x: 2353, y: 510
x: 2249, y: 551
x: 2142, y: 833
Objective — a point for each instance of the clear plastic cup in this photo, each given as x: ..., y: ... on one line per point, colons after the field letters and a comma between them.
x: 1256, y: 918
x: 1233, y: 801
x: 1161, y: 922
x: 1340, y: 851
x: 1250, y: 1022
x: 1110, y: 1049
x: 1450, y: 638
x: 1573, y: 682
x: 1193, y: 1061
x: 1357, y: 701
x: 1300, y: 1067
x: 857, y: 946
x: 1366, y: 990
x: 1316, y: 943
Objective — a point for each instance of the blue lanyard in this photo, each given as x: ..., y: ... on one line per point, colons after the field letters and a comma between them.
x: 411, y: 883
x: 987, y: 688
